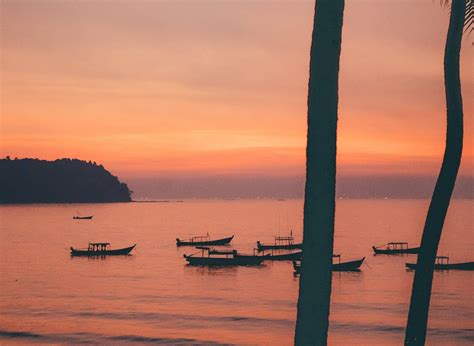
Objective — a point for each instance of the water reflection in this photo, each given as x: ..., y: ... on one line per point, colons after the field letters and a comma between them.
x: 212, y: 270
x: 153, y: 295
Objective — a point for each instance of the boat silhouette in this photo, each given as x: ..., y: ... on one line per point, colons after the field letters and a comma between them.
x: 442, y: 263
x: 336, y: 267
x: 203, y: 240
x: 395, y: 248
x: 281, y: 243
x: 83, y: 217
x: 101, y: 249
x: 212, y: 257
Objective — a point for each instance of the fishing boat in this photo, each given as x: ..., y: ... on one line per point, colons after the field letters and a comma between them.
x: 442, y: 263
x: 281, y: 243
x: 395, y: 248
x: 212, y: 257
x: 101, y: 249
x: 213, y: 251
x: 272, y: 256
x: 350, y: 266
x: 82, y: 217
x: 282, y: 255
x: 203, y: 240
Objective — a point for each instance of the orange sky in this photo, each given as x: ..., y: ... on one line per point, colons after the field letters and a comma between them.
x: 152, y: 88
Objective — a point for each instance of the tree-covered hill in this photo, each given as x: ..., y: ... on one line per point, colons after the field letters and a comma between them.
x: 59, y: 181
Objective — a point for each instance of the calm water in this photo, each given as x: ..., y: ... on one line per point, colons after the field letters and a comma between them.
x: 48, y: 297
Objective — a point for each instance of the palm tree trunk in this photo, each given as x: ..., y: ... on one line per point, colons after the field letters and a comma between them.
x: 319, y: 206
x: 421, y: 293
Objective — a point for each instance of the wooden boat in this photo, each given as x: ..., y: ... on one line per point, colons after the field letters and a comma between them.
x: 100, y: 249
x: 395, y: 248
x: 347, y: 266
x: 281, y: 243
x: 82, y: 217
x: 442, y: 263
x: 213, y: 257
x: 213, y: 251
x: 350, y: 266
x: 290, y: 256
x: 203, y: 240
x: 287, y: 256
x: 278, y: 255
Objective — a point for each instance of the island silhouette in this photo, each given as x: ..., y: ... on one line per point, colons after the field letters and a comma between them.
x: 60, y: 181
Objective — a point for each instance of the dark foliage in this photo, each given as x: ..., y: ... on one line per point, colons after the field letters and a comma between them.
x: 60, y: 181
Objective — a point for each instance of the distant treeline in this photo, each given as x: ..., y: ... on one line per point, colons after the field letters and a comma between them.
x: 60, y: 181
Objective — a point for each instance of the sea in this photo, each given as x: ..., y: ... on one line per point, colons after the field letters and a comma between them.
x: 152, y: 296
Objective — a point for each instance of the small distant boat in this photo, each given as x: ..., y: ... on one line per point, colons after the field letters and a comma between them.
x: 82, y: 217
x: 442, y: 263
x: 395, y: 248
x: 212, y: 257
x: 350, y: 266
x: 203, y: 240
x: 281, y: 243
x: 101, y: 249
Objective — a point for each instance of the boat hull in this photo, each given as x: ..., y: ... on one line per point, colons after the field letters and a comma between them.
x: 262, y: 247
x: 293, y: 256
x: 348, y: 266
x: 239, y: 260
x: 337, y: 267
x: 451, y: 266
x: 116, y: 252
x: 223, y: 241
x: 413, y: 250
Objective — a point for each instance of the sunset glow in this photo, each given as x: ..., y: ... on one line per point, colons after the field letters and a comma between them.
x: 220, y: 87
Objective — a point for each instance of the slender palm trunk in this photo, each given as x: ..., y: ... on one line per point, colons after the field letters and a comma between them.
x: 421, y: 293
x: 319, y: 206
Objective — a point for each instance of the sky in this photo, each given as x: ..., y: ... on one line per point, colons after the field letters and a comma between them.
x: 186, y: 91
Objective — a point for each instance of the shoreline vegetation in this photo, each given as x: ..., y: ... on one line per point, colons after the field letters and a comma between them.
x: 30, y: 181
x: 27, y: 181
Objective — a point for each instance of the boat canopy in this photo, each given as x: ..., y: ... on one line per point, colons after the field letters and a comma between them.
x: 284, y: 240
x: 208, y: 251
x: 200, y: 238
x: 442, y: 259
x: 398, y: 245
x: 220, y: 252
x: 98, y: 246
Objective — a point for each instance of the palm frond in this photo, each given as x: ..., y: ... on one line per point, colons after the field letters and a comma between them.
x: 468, y: 15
